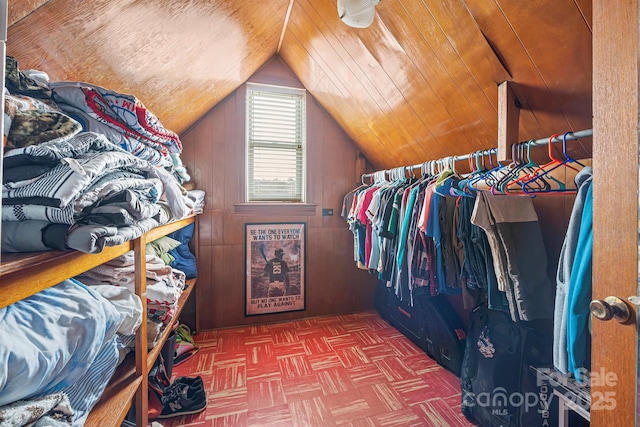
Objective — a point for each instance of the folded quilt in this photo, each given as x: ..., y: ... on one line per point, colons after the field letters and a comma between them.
x: 158, y: 308
x: 16, y: 102
x: 87, y: 390
x: 64, y: 183
x: 31, y: 121
x: 84, y: 160
x: 117, y: 202
x: 160, y: 312
x: 35, y: 127
x: 33, y: 236
x: 126, y: 302
x: 93, y: 238
x: 117, y: 110
x: 38, y: 212
x: 134, y: 193
x: 156, y: 269
x: 119, y: 137
x: 24, y: 172
x: 53, y: 151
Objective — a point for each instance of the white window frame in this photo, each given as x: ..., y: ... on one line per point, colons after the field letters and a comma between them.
x: 301, y: 142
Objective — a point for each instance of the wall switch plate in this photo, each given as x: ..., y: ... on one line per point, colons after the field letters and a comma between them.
x: 327, y: 212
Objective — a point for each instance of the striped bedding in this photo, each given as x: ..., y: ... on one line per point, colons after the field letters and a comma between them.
x: 94, y: 195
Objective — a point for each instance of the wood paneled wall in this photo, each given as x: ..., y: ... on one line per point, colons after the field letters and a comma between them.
x: 214, y: 155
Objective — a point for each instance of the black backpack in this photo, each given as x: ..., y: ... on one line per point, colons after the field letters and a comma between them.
x: 499, y: 386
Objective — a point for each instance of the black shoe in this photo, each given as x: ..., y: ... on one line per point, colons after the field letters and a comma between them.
x: 185, y: 382
x: 183, y: 401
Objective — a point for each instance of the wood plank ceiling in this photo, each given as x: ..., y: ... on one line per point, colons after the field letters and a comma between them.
x: 420, y: 83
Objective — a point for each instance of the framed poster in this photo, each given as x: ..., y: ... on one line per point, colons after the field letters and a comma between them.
x: 274, y: 267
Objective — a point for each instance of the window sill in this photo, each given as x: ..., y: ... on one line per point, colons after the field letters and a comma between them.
x: 281, y: 209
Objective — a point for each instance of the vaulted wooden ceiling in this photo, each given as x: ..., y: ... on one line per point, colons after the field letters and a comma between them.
x: 420, y: 83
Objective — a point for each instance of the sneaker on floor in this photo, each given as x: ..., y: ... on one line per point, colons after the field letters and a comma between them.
x: 183, y: 401
x: 185, y: 382
x: 190, y: 381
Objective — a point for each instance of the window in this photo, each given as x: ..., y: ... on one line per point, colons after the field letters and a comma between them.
x: 276, y: 133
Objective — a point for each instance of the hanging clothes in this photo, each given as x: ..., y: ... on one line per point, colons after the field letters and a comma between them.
x: 574, y: 284
x: 478, y: 267
x: 519, y: 255
x: 579, y: 294
x: 565, y: 266
x: 408, y: 244
x: 435, y: 235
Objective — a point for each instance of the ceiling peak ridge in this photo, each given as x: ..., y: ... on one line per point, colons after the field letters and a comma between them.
x: 284, y: 26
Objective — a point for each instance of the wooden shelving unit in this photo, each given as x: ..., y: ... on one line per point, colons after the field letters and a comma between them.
x: 22, y: 275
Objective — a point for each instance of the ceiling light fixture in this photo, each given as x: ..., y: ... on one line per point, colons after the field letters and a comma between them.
x: 357, y: 13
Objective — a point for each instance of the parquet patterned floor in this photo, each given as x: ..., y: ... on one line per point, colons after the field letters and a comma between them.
x: 352, y: 370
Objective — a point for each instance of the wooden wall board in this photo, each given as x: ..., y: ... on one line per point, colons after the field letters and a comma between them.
x: 334, y: 285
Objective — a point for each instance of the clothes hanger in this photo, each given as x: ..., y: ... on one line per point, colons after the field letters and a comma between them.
x: 545, y: 170
x: 446, y: 177
x: 554, y: 162
x: 462, y: 184
x: 456, y: 179
x: 488, y: 177
x: 513, y: 186
x: 517, y: 164
x: 564, y: 150
x: 362, y: 185
x: 496, y: 172
x: 460, y: 189
x: 480, y: 173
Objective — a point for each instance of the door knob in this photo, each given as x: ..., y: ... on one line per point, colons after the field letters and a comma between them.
x: 610, y: 308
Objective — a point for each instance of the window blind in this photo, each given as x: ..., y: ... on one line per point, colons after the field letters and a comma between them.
x: 276, y: 131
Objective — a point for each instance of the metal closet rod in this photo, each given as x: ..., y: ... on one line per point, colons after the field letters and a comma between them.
x: 542, y: 141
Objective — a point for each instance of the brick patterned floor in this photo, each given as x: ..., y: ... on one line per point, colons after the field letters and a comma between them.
x: 352, y: 370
